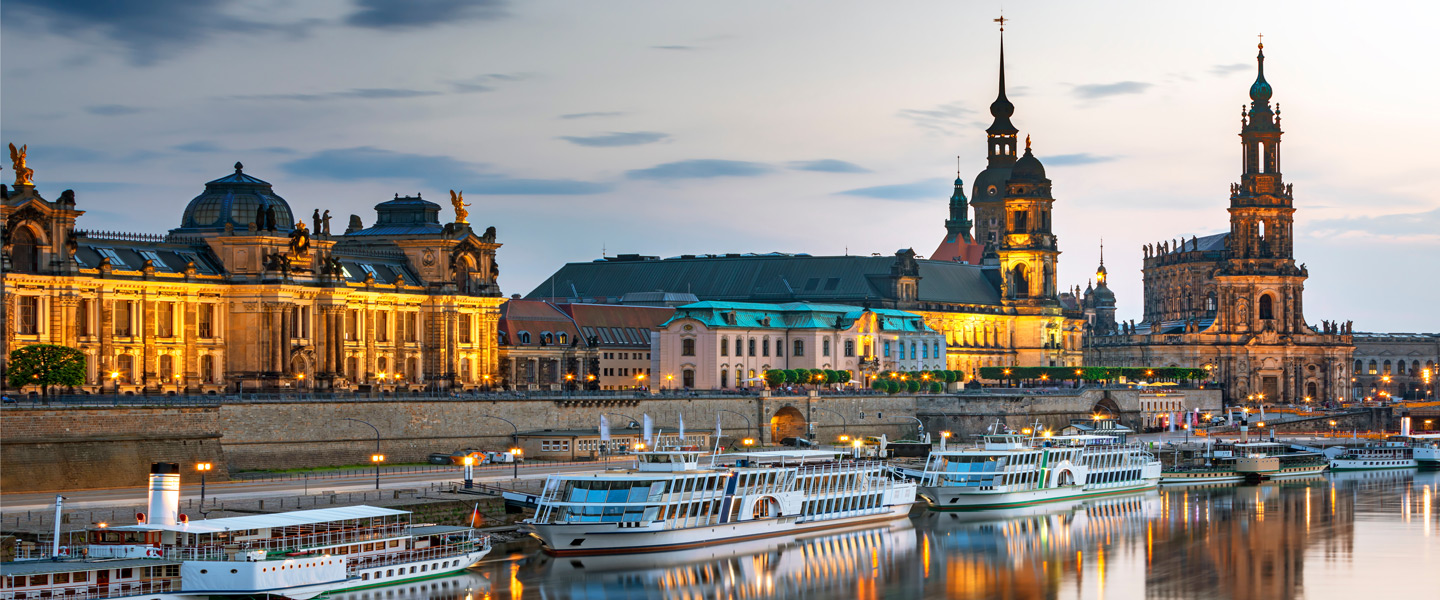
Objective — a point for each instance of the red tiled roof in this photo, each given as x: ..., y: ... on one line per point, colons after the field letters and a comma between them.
x: 617, y: 325
x: 537, y: 318
x: 959, y: 251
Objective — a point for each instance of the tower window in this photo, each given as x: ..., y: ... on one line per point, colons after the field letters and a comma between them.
x: 1267, y: 306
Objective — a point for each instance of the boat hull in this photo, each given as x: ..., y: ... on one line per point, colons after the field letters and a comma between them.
x: 953, y: 498
x: 1371, y: 464
x: 561, y: 539
x: 1177, y: 477
x: 368, y: 577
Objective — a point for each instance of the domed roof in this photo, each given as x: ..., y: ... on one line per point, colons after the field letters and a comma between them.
x: 235, y: 199
x: 1260, y: 91
x: 1028, y: 168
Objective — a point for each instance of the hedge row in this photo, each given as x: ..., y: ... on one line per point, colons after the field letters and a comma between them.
x: 1090, y: 373
x: 778, y: 377
x: 897, y: 385
x: 939, y: 375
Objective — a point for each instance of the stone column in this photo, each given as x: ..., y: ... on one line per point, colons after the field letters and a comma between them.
x: 192, y: 336
x: 149, y: 360
x: 287, y: 322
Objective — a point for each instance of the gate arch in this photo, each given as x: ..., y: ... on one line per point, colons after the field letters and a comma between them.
x: 787, y: 422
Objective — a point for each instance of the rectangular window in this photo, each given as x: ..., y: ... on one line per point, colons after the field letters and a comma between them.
x: 687, y: 347
x: 206, y: 317
x: 122, y: 318
x: 800, y: 348
x: 82, y: 318
x: 465, y: 327
x: 752, y: 346
x: 849, y: 347
x: 352, y: 324
x: 887, y: 349
x: 724, y: 347
x: 765, y: 347
x: 154, y: 258
x: 382, y: 326
x: 29, y: 315
x: 115, y: 260
x: 165, y: 319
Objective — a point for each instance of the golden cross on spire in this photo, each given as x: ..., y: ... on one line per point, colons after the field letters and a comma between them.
x: 1262, y: 40
x: 1001, y: 21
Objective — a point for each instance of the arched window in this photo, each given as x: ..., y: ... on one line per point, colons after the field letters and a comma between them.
x: 1267, y: 306
x: 1310, y: 391
x: 1373, y: 369
x: 687, y: 347
x: 524, y: 337
x: 1020, y: 279
x: 1414, y: 368
x: 724, y: 350
x: 739, y: 351
x: 912, y: 351
x: 1387, y: 367
x: 937, y: 350
x: 900, y: 349
x: 1400, y: 368
x: 724, y: 378
x: 752, y: 346
x: 1359, y: 366
x: 25, y: 255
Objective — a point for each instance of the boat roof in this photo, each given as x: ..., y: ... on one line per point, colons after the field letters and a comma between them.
x: 1425, y: 436
x: 437, y: 529
x: 777, y: 454
x: 286, y: 519
x: 41, y: 567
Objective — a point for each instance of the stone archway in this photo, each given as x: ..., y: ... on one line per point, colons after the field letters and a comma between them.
x: 1106, y: 407
x: 788, y: 422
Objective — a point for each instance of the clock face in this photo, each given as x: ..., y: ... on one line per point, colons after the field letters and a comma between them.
x: 990, y: 190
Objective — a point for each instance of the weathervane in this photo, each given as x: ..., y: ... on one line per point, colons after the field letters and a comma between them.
x: 1001, y: 21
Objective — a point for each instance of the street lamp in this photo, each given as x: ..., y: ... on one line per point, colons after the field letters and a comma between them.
x: 377, y: 457
x: 748, y: 442
x: 944, y: 439
x: 203, y: 468
x: 115, y: 381
x: 741, y: 415
x: 469, y: 462
x: 639, y: 380
x: 844, y: 423
x: 514, y: 442
x: 857, y: 444
x: 515, y: 454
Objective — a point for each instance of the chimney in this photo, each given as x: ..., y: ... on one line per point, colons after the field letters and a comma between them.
x: 1405, y: 426
x: 164, y: 494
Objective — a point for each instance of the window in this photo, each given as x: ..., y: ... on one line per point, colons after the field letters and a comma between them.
x: 122, y: 318
x: 1387, y: 367
x: 125, y: 365
x: 687, y: 377
x: 165, y: 319
x: 82, y: 318
x: 352, y: 368
x: 465, y: 327
x: 724, y: 348
x: 382, y: 327
x: 562, y: 337
x: 412, y: 326
x: 167, y: 369
x: 207, y: 321
x: 207, y: 368
x: 752, y: 346
x: 799, y: 348
x: 29, y: 315
x: 1359, y: 367
x: 924, y: 351
x: 524, y: 337
x: 154, y: 258
x: 900, y: 351
x: 1373, y: 369
x: 352, y: 324
x: 765, y: 347
x: 554, y: 445
x: 849, y: 348
x: 1267, y: 306
x: 115, y: 260
x: 724, y: 378
x: 738, y: 350
x: 687, y: 347
x: 887, y: 349
x: 825, y: 347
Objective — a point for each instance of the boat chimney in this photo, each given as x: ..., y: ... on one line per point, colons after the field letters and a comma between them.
x: 55, y: 546
x: 1405, y: 426
x: 164, y: 495
x: 1244, y: 433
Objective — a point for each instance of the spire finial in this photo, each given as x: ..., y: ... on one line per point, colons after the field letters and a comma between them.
x: 238, y: 166
x: 1027, y: 142
x: 1102, y: 251
x: 1262, y: 41
x: 1001, y: 20
x: 957, y: 166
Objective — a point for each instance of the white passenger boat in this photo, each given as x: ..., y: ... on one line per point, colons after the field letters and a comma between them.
x: 1399, y: 452
x: 1008, y: 470
x: 296, y: 555
x: 1247, y: 461
x: 669, y: 502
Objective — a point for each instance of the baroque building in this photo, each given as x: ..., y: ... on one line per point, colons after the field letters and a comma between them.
x: 992, y: 295
x: 1232, y: 302
x: 244, y: 296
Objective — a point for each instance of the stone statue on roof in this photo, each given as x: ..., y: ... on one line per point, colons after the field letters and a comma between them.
x: 324, y: 220
x: 458, y: 201
x: 300, y: 239
x: 23, y: 175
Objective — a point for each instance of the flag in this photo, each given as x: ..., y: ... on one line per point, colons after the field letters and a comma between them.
x: 717, y: 428
x: 682, y: 427
x: 475, y: 516
x: 604, y: 429
x: 649, y: 430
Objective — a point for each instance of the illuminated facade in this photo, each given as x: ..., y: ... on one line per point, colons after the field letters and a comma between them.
x: 1232, y: 302
x: 243, y: 296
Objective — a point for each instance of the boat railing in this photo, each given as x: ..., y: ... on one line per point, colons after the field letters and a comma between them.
x: 97, y: 592
x: 370, y: 561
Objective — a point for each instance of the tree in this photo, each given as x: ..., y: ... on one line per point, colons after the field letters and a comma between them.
x: 845, y: 376
x: 787, y: 376
x: 832, y: 376
x: 46, y: 365
x: 775, y: 377
x: 912, y: 385
x: 936, y: 387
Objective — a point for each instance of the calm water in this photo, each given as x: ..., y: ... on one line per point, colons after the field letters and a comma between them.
x: 1367, y: 535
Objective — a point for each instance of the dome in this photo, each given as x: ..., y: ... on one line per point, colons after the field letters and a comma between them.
x: 1260, y: 91
x: 1028, y: 168
x: 235, y: 199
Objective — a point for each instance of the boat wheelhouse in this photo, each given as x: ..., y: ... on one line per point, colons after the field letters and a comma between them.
x: 669, y: 502
x: 1009, y: 469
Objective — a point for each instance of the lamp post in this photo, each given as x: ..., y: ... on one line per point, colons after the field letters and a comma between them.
x: 748, y: 442
x: 639, y: 381
x: 748, y: 425
x: 514, y: 445
x: 203, y: 468
x: 844, y: 424
x: 377, y: 457
x: 944, y: 439
x: 115, y: 383
x: 469, y: 461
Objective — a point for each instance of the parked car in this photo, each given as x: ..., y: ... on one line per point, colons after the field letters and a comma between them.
x: 796, y: 442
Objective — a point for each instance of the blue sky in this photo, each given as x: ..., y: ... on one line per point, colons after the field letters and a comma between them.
x: 661, y: 127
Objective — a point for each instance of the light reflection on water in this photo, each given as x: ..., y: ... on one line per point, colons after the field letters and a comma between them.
x: 1346, y: 535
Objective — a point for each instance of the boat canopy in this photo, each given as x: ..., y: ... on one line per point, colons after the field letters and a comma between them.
x: 299, y: 517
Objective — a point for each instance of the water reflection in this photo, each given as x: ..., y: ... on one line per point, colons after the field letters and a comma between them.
x: 1345, y: 535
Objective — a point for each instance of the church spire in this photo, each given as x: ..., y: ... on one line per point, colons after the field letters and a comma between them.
x: 1100, y: 273
x: 957, y: 227
x: 1001, y: 134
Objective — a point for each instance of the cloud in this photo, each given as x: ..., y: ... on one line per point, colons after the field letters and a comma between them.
x: 827, y: 165
x: 149, y: 31
x: 440, y: 172
x: 700, y: 169
x: 485, y: 83
x: 198, y: 147
x: 414, y: 14
x: 39, y: 155
x: 113, y: 110
x: 1223, y: 70
x: 617, y: 138
x: 681, y: 48
x: 359, y: 93
x: 1083, y: 158
x: 944, y: 118
x: 1414, y: 226
x: 1094, y: 91
x: 930, y: 188
x: 591, y: 115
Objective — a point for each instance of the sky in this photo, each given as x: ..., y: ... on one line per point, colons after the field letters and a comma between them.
x: 826, y: 127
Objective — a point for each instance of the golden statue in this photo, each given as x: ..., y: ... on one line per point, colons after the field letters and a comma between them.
x: 458, y: 201
x: 23, y: 175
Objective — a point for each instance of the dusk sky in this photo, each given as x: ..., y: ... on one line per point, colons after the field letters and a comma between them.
x: 826, y: 127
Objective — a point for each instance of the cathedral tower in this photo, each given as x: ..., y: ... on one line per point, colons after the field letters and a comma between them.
x: 988, y: 194
x: 1028, y: 253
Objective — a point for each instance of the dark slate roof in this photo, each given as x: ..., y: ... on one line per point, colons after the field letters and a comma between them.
x: 127, y: 255
x: 1209, y: 243
x: 41, y: 567
x: 385, y: 269
x: 768, y: 278
x: 405, y: 216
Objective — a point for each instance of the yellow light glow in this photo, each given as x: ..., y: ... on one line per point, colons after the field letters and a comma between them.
x: 377, y: 458
x: 204, y: 466
x: 469, y: 460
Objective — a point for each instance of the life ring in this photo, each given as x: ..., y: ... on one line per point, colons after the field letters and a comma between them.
x: 152, y: 553
x: 63, y: 551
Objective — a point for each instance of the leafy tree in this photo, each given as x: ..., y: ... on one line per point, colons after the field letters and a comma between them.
x: 936, y: 387
x: 880, y: 385
x: 46, y: 365
x: 775, y: 377
x: 845, y: 376
x: 912, y: 385
x: 832, y: 376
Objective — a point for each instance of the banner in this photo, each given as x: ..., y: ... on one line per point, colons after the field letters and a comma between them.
x: 604, y: 429
x: 649, y: 429
x: 682, y: 428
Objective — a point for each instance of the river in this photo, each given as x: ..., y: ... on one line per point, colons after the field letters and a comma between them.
x: 1359, y: 535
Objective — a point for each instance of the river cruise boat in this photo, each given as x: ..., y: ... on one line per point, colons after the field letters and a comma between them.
x: 1007, y: 470
x: 1400, y: 452
x: 669, y: 502
x: 1243, y: 461
x: 296, y: 555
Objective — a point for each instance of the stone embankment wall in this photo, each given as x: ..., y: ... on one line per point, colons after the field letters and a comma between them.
x: 56, y: 449
x: 73, y: 448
